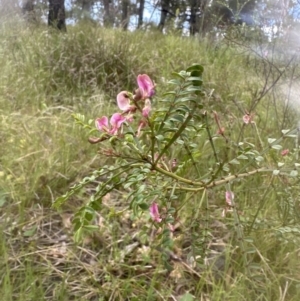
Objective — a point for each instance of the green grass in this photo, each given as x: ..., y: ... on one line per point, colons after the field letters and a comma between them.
x: 45, y: 78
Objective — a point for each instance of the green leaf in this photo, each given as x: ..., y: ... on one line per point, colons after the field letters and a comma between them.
x: 175, y: 82
x: 141, y: 189
x: 294, y: 173
x: 193, y: 89
x: 234, y: 162
x: 226, y: 167
x: 178, y: 117
x: 271, y: 140
x: 255, y: 266
x: 2, y: 200
x: 277, y: 147
x: 259, y: 159
x: 284, y: 131
x: 170, y: 220
x: 160, y: 137
x: 78, y: 235
x: 194, y: 78
x: 175, y: 74
x: 187, y: 98
x: 89, y: 213
x: 290, y: 136
x: 91, y: 227
x: 170, y: 93
x: 143, y: 206
x: 195, y: 69
x: 30, y: 232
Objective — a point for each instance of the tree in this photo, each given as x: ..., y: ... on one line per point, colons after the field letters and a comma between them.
x: 86, y: 6
x: 165, y: 4
x: 141, y: 13
x: 57, y: 14
x: 28, y: 10
x: 125, y: 14
x: 108, y: 18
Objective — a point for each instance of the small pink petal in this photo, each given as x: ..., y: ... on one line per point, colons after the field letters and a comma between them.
x: 129, y: 118
x: 116, y: 122
x: 117, y: 119
x: 171, y: 227
x: 147, y: 108
x: 285, y: 152
x: 246, y: 118
x: 154, y: 212
x: 146, y: 86
x: 102, y: 124
x: 142, y: 124
x: 223, y: 214
x: 221, y: 131
x: 123, y: 101
x: 229, y: 197
x: 174, y: 163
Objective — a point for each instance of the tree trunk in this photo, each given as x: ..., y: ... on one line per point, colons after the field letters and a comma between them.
x: 203, y: 17
x: 28, y: 10
x: 108, y: 19
x: 27, y: 6
x: 194, y: 23
x: 141, y: 13
x: 165, y: 4
x: 86, y: 9
x: 57, y: 15
x: 125, y: 14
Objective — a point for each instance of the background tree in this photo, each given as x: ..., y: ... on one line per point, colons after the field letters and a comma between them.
x: 86, y: 7
x: 165, y: 4
x: 203, y: 17
x: 28, y: 10
x: 141, y: 13
x: 108, y: 18
x: 125, y: 14
x: 57, y: 15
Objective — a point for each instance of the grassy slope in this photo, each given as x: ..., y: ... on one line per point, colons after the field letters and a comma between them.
x: 44, y: 79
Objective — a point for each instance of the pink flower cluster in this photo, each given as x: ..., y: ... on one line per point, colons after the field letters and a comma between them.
x: 248, y: 118
x: 229, y: 196
x: 129, y: 104
x: 156, y: 217
x: 154, y: 213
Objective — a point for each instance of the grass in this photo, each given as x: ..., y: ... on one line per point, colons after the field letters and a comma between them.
x: 45, y: 78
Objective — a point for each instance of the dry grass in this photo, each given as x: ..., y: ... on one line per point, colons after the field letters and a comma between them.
x: 44, y: 79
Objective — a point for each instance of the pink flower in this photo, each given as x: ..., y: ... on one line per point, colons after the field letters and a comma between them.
x: 221, y: 130
x: 147, y: 108
x: 143, y: 123
x: 285, y: 152
x: 229, y: 197
x: 116, y: 122
x: 146, y: 86
x: 154, y: 212
x: 123, y: 101
x: 247, y: 118
x: 174, y: 164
